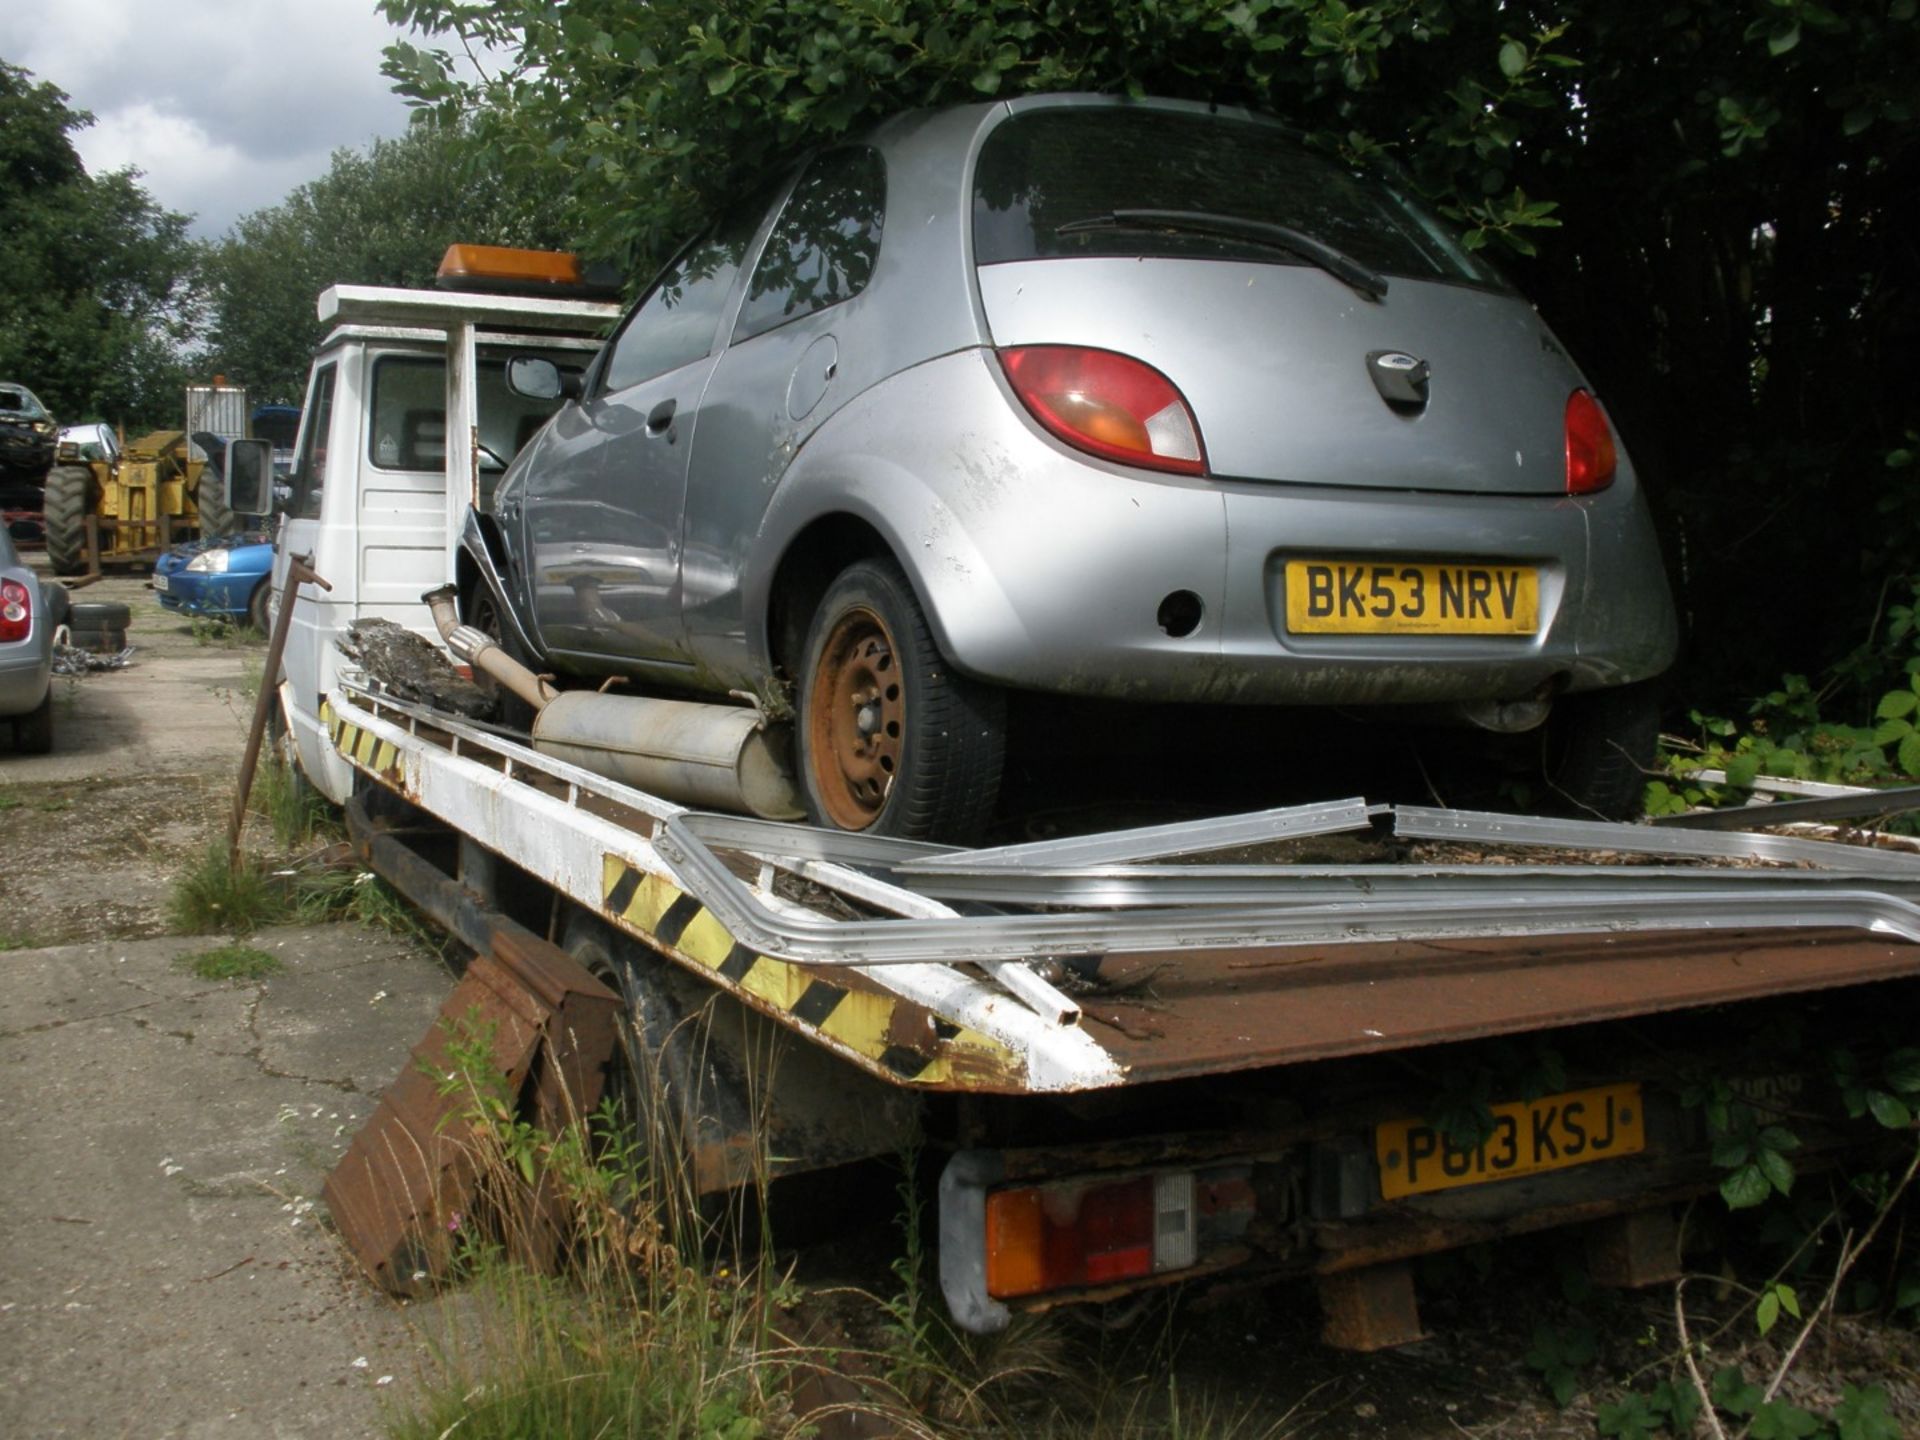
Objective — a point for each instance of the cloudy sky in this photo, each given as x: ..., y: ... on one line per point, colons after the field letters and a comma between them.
x: 224, y: 105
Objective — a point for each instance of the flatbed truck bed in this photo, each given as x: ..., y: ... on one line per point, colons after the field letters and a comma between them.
x: 1245, y: 1042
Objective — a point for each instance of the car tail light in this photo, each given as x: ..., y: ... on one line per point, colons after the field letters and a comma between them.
x: 1591, y: 456
x: 1076, y: 1234
x: 16, y: 610
x: 1108, y: 405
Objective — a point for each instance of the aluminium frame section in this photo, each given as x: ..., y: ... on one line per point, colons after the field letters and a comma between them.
x: 1023, y: 936
x: 559, y: 842
x: 1154, y: 842
x: 1142, y: 887
x: 910, y: 868
x: 689, y: 862
x: 1861, y: 804
x: 1423, y: 823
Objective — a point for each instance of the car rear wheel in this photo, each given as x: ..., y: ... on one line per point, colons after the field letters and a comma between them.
x: 67, y: 501
x: 1599, y: 746
x: 257, y: 603
x: 33, y: 731
x: 893, y: 741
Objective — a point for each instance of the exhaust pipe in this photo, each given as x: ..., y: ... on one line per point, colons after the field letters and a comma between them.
x: 721, y: 757
x: 482, y: 652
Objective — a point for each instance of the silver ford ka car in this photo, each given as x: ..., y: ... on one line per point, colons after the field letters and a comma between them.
x: 1139, y: 400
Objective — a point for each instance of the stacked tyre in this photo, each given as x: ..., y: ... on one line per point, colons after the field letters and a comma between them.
x: 99, y: 626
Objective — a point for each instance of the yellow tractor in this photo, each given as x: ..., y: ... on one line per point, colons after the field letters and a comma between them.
x: 114, y: 505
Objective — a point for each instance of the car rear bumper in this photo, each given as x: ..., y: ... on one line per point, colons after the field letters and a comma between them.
x: 1047, y: 570
x: 25, y: 673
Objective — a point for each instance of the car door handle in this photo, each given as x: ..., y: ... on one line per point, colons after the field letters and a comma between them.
x: 660, y: 417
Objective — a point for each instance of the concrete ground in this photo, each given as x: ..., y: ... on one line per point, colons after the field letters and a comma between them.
x: 164, y: 1269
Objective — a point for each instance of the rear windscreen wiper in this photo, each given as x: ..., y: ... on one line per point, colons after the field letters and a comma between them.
x: 1369, y: 283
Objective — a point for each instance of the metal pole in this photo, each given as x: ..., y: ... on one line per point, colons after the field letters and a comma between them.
x: 299, y: 572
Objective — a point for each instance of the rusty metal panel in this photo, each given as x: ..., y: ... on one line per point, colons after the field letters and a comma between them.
x: 1210, y: 1012
x: 410, y: 1177
x: 1370, y: 1309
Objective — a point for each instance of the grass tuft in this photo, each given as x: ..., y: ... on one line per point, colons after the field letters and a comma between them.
x: 298, y: 813
x: 209, y: 898
x: 231, y: 962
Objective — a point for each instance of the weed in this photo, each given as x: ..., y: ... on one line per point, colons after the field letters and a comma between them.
x: 9, y: 802
x: 231, y: 962
x: 206, y: 629
x: 297, y: 812
x: 15, y: 942
x: 362, y: 897
x: 54, y: 807
x: 211, y: 898
x: 635, y: 1338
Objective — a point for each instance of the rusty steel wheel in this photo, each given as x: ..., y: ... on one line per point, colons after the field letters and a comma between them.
x: 892, y: 739
x: 855, y: 721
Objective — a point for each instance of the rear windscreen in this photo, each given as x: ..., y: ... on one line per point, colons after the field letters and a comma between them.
x: 1047, y: 169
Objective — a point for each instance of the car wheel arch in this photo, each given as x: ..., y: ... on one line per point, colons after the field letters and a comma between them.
x: 810, y: 561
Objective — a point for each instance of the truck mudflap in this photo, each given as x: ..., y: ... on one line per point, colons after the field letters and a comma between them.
x: 1089, y: 964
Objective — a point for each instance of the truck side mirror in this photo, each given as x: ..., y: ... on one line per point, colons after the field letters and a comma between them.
x: 538, y: 378
x: 249, y: 477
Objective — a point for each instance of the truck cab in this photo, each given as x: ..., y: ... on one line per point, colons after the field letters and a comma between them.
x: 408, y: 422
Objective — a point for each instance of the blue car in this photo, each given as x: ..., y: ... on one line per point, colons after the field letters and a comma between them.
x: 226, y: 577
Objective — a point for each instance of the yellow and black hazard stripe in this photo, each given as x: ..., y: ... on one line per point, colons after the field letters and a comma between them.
x: 935, y: 1053
x: 363, y: 747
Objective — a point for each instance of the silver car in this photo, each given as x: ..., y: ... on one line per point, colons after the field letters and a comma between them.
x: 1137, y: 400
x: 27, y: 620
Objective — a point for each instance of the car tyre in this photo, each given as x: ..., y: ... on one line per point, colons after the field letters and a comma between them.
x: 892, y: 739
x: 33, y: 731
x: 1599, y: 748
x: 66, y: 503
x: 257, y: 606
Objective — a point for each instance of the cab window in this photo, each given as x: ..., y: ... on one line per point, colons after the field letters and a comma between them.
x: 310, y: 464
x: 409, y: 430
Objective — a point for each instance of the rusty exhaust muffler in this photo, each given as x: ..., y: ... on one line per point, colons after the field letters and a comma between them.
x: 722, y: 757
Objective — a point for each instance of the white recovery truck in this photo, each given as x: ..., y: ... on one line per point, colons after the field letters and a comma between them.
x: 1143, y: 1057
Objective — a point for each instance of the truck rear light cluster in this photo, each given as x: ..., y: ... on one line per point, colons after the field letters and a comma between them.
x: 16, y: 610
x: 1591, y: 455
x: 1075, y: 1234
x: 1108, y: 405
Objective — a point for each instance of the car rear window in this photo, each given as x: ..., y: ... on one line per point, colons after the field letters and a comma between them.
x: 1046, y: 169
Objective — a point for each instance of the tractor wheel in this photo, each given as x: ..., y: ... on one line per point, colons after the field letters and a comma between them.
x: 70, y: 498
x: 210, y: 496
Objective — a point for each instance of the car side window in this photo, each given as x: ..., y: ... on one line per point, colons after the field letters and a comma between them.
x: 310, y: 466
x: 677, y: 322
x: 824, y: 245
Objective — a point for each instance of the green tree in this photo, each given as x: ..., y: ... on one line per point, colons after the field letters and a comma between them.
x: 380, y: 216
x: 98, y: 291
